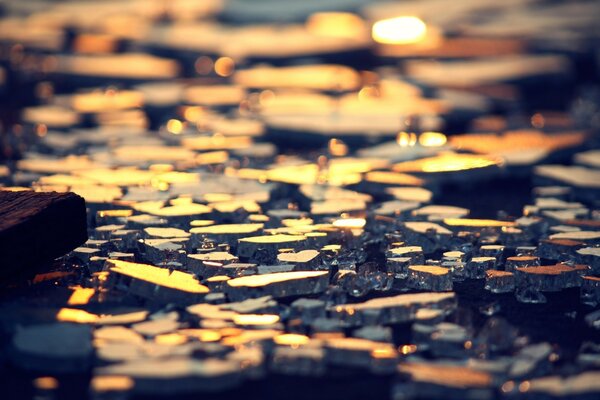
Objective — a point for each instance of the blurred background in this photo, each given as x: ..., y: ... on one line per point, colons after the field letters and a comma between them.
x: 326, y: 77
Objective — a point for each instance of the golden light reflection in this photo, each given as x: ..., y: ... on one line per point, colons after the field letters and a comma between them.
x: 250, y: 336
x: 328, y: 335
x: 201, y: 222
x: 335, y: 24
x: 171, y: 339
x: 101, y: 276
x: 94, y: 43
x: 337, y: 148
x: 179, y: 207
x: 81, y: 295
x: 340, y: 171
x: 224, y: 66
x: 159, y: 276
x: 124, y: 65
x: 393, y: 178
x: 231, y: 331
x: 349, y: 223
x: 447, y: 375
x: 291, y: 339
x: 50, y: 276
x: 429, y: 269
x: 212, y: 157
x: 399, y: 30
x: 311, y: 77
x: 75, y: 315
x: 111, y: 383
x: 226, y: 229
x: 255, y: 319
x: 193, y: 113
x: 259, y: 218
x: 524, y: 146
x: 159, y: 185
x: 217, y: 278
x: 217, y: 142
x: 469, y: 222
x: 234, y: 205
x: 405, y: 139
x: 14, y: 189
x: 432, y: 139
x: 384, y: 352
x: 407, y: 349
x: 292, y: 223
x: 267, y: 279
x: 161, y: 168
x: 448, y: 162
x: 108, y: 100
x: 368, y: 92
x: 175, y: 126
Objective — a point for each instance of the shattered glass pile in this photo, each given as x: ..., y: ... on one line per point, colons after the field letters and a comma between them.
x: 273, y: 210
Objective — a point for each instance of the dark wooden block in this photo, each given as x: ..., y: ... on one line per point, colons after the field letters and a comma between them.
x: 36, y: 228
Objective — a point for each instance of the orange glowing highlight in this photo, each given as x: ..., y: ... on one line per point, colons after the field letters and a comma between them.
x: 193, y: 113
x: 267, y: 279
x: 77, y: 316
x: 432, y: 139
x: 81, y: 296
x: 255, y: 319
x: 449, y: 162
x: 478, y: 223
x: 50, y: 276
x: 405, y: 139
x: 115, y: 213
x: 291, y: 339
x: 399, y: 30
x: 110, y: 383
x: 171, y: 339
x: 337, y: 148
x: 384, y: 352
x: 46, y: 383
x: 175, y: 126
x: 407, y: 349
x: 350, y: 223
x: 159, y: 276
x: 224, y: 66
